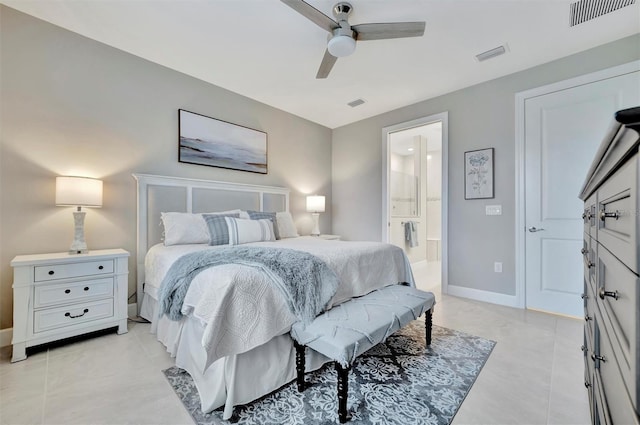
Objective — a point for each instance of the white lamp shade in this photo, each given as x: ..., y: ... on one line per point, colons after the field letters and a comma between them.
x: 78, y: 191
x: 315, y: 203
x: 341, y: 45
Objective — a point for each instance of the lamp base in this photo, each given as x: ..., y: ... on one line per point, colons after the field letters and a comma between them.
x: 316, y: 224
x: 78, y: 246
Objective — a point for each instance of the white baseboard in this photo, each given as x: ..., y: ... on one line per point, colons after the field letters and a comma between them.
x: 5, y: 337
x: 7, y: 334
x: 485, y: 296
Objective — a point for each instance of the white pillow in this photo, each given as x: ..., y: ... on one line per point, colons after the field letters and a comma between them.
x: 245, y: 231
x: 186, y: 228
x: 286, y: 228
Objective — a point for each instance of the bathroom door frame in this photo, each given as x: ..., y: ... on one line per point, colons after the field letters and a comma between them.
x: 442, y: 117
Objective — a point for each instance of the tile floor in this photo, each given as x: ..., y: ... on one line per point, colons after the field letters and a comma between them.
x: 533, y: 376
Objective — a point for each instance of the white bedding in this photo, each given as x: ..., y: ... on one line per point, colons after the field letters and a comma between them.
x: 240, y: 309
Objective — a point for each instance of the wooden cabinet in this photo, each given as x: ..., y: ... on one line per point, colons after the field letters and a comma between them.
x: 57, y: 296
x: 611, y: 284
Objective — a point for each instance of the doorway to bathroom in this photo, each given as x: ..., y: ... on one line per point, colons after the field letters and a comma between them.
x: 414, y: 193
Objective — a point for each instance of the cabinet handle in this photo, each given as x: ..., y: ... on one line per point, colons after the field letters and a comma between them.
x: 587, y: 318
x: 67, y: 291
x: 590, y: 264
x: 605, y: 214
x: 583, y: 348
x: 586, y: 384
x: 67, y: 314
x: 583, y: 251
x: 584, y: 296
x: 51, y: 272
x: 612, y: 294
x: 86, y: 288
x: 100, y: 267
x: 589, y: 216
x: 584, y: 215
x: 601, y: 358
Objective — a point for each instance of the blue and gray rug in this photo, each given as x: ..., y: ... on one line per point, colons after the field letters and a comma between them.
x: 397, y: 382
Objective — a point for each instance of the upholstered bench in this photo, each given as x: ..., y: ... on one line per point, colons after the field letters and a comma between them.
x: 350, y: 329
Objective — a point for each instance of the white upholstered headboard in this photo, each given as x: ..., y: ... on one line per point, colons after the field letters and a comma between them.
x: 158, y: 194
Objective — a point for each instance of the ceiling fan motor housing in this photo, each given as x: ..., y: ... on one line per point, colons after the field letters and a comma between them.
x: 342, y: 10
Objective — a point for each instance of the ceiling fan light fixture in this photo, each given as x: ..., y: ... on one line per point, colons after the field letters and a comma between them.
x: 341, y: 45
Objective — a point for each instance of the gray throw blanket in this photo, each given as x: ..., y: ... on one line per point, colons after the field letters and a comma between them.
x: 305, y: 281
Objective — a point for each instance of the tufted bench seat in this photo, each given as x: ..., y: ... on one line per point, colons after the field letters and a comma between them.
x: 350, y: 329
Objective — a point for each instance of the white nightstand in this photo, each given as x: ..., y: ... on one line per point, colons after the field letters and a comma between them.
x: 330, y: 237
x: 57, y: 296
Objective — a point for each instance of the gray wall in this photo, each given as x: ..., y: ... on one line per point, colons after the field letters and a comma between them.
x: 73, y: 106
x: 479, y: 116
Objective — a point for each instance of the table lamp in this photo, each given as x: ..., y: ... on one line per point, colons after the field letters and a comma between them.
x: 78, y: 192
x: 315, y: 205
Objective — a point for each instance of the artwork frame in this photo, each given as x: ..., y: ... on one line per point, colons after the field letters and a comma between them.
x: 479, y: 174
x: 208, y: 141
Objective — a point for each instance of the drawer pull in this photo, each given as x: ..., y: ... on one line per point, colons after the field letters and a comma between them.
x: 100, y: 267
x: 584, y: 296
x: 583, y: 251
x: 67, y: 291
x: 584, y: 215
x: 604, y: 214
x: 590, y: 264
x: 612, y: 294
x: 601, y: 358
x: 589, y: 216
x: 51, y: 272
x: 583, y: 348
x: 586, y: 384
x: 587, y: 318
x: 86, y: 288
x: 67, y: 314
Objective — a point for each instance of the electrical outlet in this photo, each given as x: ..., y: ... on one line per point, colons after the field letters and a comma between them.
x: 497, y: 267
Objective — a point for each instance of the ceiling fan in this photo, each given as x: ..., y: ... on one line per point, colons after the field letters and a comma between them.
x: 342, y: 41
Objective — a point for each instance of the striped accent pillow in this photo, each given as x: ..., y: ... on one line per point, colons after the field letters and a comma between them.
x: 245, y: 231
x: 257, y: 215
x: 218, y: 229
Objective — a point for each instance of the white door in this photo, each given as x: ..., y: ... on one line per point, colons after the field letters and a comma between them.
x: 563, y: 130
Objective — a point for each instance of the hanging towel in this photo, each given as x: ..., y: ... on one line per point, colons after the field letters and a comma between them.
x: 411, y: 233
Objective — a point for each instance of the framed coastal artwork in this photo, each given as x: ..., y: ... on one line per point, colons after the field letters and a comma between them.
x: 208, y: 141
x: 478, y: 174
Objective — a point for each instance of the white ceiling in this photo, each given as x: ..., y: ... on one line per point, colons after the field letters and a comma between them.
x: 264, y: 50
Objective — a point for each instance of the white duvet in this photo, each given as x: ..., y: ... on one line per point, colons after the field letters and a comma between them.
x: 241, y: 309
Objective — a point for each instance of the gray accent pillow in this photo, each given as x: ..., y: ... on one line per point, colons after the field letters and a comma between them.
x: 259, y: 215
x: 218, y: 229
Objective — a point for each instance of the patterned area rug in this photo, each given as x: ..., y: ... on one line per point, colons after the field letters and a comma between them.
x: 397, y: 382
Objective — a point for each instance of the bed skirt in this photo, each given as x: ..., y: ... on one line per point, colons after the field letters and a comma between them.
x: 232, y: 380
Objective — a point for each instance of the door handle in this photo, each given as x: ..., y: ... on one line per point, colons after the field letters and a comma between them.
x: 534, y: 229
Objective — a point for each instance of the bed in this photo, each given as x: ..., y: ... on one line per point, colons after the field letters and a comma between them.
x: 233, y: 338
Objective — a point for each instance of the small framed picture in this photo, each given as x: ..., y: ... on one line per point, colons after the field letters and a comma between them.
x: 478, y: 174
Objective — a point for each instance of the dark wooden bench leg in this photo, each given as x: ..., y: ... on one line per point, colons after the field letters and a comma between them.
x: 343, y: 391
x: 300, y: 359
x: 428, y: 324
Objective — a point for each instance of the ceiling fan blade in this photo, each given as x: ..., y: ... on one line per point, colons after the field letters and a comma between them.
x: 388, y: 30
x: 325, y: 66
x: 313, y: 14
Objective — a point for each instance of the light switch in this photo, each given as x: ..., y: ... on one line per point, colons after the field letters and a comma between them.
x: 493, y: 209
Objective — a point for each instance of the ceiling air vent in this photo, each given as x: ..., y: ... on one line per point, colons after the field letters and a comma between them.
x: 356, y: 102
x: 500, y: 50
x: 586, y: 10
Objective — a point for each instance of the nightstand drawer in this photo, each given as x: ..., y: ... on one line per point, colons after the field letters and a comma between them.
x: 53, y: 318
x: 70, y: 270
x: 62, y: 293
